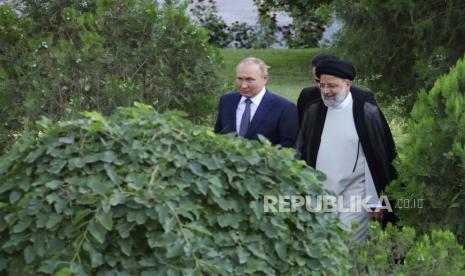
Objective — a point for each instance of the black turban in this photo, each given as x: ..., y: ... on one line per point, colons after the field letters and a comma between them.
x: 338, y: 68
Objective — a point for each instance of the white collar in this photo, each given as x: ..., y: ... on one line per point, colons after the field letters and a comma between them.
x: 255, y: 99
x: 347, y: 101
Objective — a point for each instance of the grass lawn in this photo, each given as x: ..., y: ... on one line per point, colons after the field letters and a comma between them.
x: 289, y: 68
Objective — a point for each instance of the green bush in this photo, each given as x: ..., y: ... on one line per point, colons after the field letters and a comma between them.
x: 141, y: 192
x: 399, y: 251
x: 401, y: 46
x: 58, y: 58
x: 431, y: 165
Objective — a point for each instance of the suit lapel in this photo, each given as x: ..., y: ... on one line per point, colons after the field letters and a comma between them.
x: 231, y: 113
x: 263, y: 108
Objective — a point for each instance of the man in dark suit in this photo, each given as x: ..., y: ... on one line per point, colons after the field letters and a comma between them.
x: 254, y: 110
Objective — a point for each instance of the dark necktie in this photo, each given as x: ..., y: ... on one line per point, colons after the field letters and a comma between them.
x: 245, y: 121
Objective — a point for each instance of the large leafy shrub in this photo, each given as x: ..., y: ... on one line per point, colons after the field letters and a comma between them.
x: 400, y: 251
x: 141, y: 192
x: 58, y: 58
x: 403, y: 46
x: 431, y: 165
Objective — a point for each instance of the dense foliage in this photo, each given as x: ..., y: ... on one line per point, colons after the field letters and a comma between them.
x: 400, y: 251
x: 400, y: 47
x: 238, y: 34
x: 309, y: 20
x: 431, y: 165
x: 141, y: 192
x: 218, y: 31
x: 58, y: 58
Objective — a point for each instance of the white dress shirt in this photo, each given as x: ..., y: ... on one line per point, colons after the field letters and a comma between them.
x: 253, y: 107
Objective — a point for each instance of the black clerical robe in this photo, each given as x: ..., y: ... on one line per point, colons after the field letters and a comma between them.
x: 373, y: 131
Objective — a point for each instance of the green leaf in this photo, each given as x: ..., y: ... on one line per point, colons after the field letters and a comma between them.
x: 97, y: 231
x: 257, y: 208
x: 66, y: 139
x: 243, y: 255
x: 196, y: 168
x: 48, y: 266
x: 29, y: 254
x: 106, y: 219
x: 112, y: 174
x: 216, y: 187
x: 98, y: 185
x: 53, y: 219
x: 14, y: 197
x: 54, y: 184
x: 65, y: 271
x: 108, y: 156
x: 22, y: 225
x: 281, y: 250
x: 34, y: 206
x: 117, y: 199
x: 197, y: 227
x: 124, y: 229
x: 256, y: 251
x: 96, y: 257
x: 175, y: 250
x: 39, y: 244
x: 77, y: 162
x: 6, y: 186
x: 253, y: 266
x: 80, y: 215
x: 34, y: 155
x: 78, y: 270
x: 126, y: 246
x: 229, y: 220
x: 202, y: 186
x: 41, y: 220
x: 56, y: 166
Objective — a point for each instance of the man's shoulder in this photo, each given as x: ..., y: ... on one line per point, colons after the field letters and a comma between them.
x: 309, y: 93
x: 278, y: 99
x: 310, y: 90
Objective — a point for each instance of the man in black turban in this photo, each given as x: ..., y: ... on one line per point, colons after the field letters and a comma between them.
x: 344, y: 134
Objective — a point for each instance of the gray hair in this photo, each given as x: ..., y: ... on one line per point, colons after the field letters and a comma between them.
x: 261, y: 64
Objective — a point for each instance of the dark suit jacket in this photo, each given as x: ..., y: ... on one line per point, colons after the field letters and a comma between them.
x: 275, y: 118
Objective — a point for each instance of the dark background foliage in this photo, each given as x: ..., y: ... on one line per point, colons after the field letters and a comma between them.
x: 58, y: 58
x: 400, y: 47
x: 431, y: 165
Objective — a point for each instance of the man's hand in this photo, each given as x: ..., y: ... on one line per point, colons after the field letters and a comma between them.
x: 377, y: 214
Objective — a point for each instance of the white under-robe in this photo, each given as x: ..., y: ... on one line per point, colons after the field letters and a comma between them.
x: 342, y: 160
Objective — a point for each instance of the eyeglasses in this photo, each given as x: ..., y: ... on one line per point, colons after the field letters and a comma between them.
x: 330, y: 86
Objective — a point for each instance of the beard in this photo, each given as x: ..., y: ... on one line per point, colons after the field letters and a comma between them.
x: 338, y: 98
